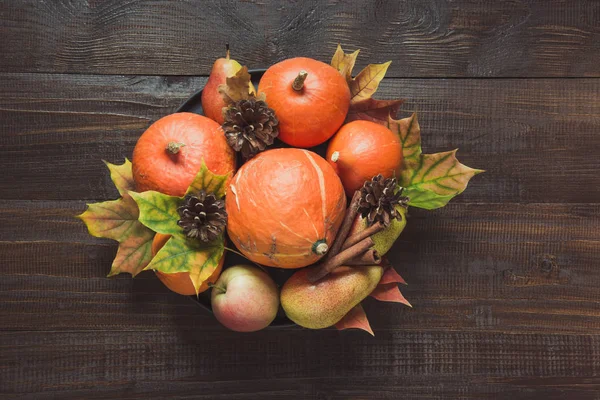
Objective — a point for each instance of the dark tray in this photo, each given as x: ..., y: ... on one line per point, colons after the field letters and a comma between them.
x: 194, y: 104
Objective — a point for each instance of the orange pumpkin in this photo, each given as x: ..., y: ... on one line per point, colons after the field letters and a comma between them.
x: 169, y: 154
x: 361, y: 150
x: 310, y: 98
x: 284, y: 208
x: 180, y: 282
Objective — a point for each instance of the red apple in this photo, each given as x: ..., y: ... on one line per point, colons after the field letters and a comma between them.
x: 245, y: 299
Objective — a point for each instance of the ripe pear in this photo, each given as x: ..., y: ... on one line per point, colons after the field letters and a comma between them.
x: 384, y: 240
x: 325, y: 302
x: 212, y: 102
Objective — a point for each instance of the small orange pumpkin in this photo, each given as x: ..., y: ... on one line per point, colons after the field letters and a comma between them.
x: 310, y: 98
x: 361, y: 150
x: 169, y: 154
x: 285, y: 207
x: 180, y: 282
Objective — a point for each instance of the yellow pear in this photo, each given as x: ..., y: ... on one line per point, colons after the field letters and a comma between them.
x: 384, y: 239
x: 212, y: 101
x: 325, y: 302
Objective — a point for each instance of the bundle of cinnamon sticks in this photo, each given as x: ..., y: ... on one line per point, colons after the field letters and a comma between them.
x: 348, y: 249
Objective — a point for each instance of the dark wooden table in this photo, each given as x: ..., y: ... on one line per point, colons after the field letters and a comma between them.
x: 505, y: 281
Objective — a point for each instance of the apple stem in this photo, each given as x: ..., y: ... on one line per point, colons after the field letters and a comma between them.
x: 227, y: 51
x: 299, y: 81
x: 174, y: 147
x: 215, y: 287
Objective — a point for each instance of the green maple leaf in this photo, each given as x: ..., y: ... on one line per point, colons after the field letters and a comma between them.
x: 118, y: 220
x: 429, y: 180
x: 158, y: 212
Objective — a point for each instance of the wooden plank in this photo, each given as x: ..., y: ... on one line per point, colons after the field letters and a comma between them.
x: 470, y: 267
x: 303, y: 364
x: 538, y: 139
x: 437, y: 38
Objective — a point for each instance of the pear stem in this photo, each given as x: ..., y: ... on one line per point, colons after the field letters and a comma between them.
x: 174, y: 147
x: 215, y: 287
x: 227, y: 51
x: 299, y: 81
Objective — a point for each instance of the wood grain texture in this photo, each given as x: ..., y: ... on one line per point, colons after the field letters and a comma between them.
x: 504, y: 280
x: 431, y: 38
x: 537, y: 138
x: 409, y: 365
x: 504, y: 268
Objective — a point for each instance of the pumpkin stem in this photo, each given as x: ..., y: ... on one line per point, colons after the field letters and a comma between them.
x: 299, y: 81
x: 335, y: 156
x: 174, y: 147
x: 321, y: 248
x: 227, y: 51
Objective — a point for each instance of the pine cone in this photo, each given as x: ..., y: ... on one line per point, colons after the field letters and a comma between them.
x: 203, y: 216
x: 379, y: 198
x: 250, y: 126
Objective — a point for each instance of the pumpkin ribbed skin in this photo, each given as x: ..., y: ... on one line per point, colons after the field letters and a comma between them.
x: 282, y: 204
x: 180, y: 282
x: 310, y: 116
x: 154, y: 168
x: 364, y: 150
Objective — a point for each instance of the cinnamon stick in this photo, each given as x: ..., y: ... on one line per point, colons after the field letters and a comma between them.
x: 369, y: 257
x: 344, y: 228
x: 323, y: 269
x: 357, y: 237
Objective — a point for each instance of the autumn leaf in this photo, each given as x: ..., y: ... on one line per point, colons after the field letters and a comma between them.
x: 363, y: 87
x: 374, y: 110
x: 356, y: 318
x: 389, y: 292
x: 435, y: 180
x: 344, y: 63
x: 238, y: 87
x: 209, y: 182
x: 118, y: 220
x: 121, y: 176
x: 133, y: 254
x: 158, y: 211
x: 365, y: 84
x: 409, y: 131
x: 184, y: 255
x: 390, y: 275
x: 430, y: 180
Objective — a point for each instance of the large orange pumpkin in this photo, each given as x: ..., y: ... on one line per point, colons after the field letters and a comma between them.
x: 310, y: 98
x: 180, y: 282
x: 169, y: 154
x: 285, y: 207
x: 361, y: 150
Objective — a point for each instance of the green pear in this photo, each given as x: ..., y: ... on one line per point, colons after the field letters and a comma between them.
x: 212, y: 101
x: 384, y: 240
x: 325, y: 302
